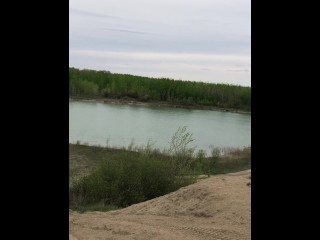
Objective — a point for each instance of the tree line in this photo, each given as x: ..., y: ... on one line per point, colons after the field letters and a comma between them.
x: 96, y: 84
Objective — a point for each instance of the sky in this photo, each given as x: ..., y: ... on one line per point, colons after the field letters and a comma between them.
x: 195, y: 40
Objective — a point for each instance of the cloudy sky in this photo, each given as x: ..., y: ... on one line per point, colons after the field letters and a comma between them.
x: 197, y: 40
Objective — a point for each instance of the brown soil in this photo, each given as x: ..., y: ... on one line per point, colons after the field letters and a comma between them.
x: 218, y: 207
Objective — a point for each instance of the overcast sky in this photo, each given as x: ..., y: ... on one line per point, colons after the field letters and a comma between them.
x: 197, y: 40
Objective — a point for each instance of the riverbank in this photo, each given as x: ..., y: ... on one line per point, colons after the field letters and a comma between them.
x: 218, y: 207
x: 83, y: 159
x: 147, y: 174
x: 134, y: 102
x: 212, y: 207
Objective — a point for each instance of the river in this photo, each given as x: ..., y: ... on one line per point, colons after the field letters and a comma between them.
x: 119, y: 125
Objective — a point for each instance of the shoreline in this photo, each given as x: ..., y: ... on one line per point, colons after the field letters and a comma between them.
x: 156, y: 104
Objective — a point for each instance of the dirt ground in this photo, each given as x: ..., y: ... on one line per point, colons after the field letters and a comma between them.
x: 218, y: 207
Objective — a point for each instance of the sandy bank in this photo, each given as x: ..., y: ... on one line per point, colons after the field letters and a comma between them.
x: 218, y: 207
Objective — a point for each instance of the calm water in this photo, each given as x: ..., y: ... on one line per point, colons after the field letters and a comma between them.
x: 119, y: 125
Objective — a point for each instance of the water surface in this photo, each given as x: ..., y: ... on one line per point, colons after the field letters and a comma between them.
x: 118, y: 125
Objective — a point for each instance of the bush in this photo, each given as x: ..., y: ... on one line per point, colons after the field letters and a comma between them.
x: 125, y: 182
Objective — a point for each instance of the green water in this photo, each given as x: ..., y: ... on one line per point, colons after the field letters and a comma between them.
x: 118, y: 125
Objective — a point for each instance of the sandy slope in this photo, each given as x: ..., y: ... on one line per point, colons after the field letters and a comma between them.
x: 218, y: 207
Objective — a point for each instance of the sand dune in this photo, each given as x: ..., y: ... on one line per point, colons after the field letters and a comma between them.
x: 218, y: 207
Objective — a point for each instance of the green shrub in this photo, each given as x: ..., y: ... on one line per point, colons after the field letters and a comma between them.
x: 125, y: 182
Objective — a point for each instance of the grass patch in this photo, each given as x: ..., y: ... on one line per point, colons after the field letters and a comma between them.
x: 234, y: 160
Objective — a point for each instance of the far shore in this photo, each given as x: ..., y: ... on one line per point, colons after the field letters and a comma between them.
x: 156, y: 104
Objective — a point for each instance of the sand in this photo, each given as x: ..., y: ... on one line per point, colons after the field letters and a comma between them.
x: 218, y: 207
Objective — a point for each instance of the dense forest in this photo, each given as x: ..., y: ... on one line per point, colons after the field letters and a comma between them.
x: 97, y: 84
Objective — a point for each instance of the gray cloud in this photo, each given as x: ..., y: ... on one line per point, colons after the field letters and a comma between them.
x: 238, y: 70
x: 205, y: 69
x: 128, y: 31
x: 167, y: 37
x: 90, y: 14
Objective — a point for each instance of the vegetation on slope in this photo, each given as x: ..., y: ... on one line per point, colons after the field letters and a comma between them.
x: 105, y: 178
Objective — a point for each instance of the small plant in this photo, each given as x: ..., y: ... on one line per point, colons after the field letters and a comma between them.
x: 131, y: 145
x: 149, y: 149
x: 181, y: 154
x: 107, y: 143
x: 201, y: 154
x: 215, y: 155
